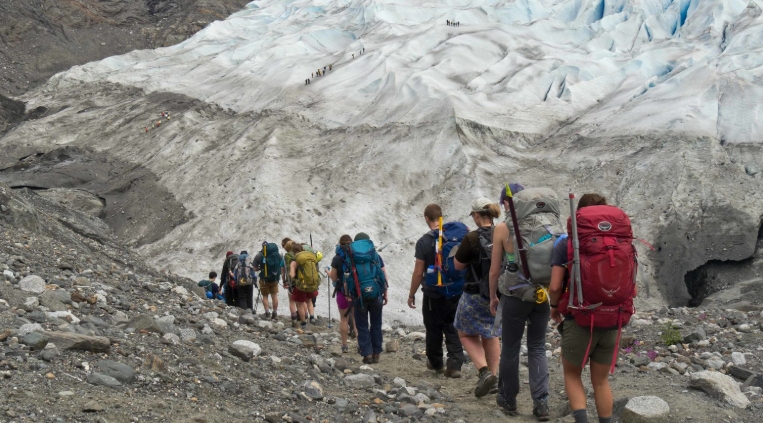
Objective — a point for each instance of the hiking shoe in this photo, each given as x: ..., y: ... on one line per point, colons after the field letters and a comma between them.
x: 266, y: 315
x: 368, y: 359
x: 431, y: 367
x: 274, y: 315
x: 294, y: 323
x: 352, y: 334
x: 540, y: 410
x: 452, y: 373
x: 508, y: 407
x: 375, y: 358
x: 304, y: 325
x: 345, y: 349
x: 485, y: 383
x: 312, y: 320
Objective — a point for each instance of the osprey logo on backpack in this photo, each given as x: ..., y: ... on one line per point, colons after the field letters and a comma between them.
x: 605, y: 226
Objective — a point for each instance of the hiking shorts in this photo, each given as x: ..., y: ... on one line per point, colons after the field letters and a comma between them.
x: 303, y: 297
x: 267, y: 288
x: 575, y: 342
x: 341, y: 301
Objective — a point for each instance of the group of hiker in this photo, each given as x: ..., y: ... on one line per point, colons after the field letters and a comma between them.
x: 162, y: 115
x: 481, y: 288
x: 451, y: 23
x: 357, y: 272
x: 322, y: 72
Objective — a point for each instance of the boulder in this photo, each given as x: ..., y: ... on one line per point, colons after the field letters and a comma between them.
x: 697, y: 334
x: 187, y: 335
x: 28, y: 328
x: 35, y: 340
x: 100, y: 379
x: 313, y: 390
x: 720, y: 387
x: 144, y: 322
x: 738, y: 359
x: 121, y: 372
x: 393, y: 345
x: 245, y: 350
x: 647, y: 409
x: 360, y: 381
x: 73, y: 341
x: 33, y: 284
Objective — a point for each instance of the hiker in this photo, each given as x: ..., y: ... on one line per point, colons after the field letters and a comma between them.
x: 346, y: 318
x: 243, y: 273
x: 331, y: 67
x: 312, y: 75
x: 268, y: 262
x: 324, y: 69
x: 364, y: 50
x: 366, y: 280
x: 288, y: 282
x: 146, y: 129
x: 353, y: 55
x: 211, y: 289
x: 438, y: 310
x: 591, y: 344
x: 229, y: 289
x: 475, y: 324
x: 303, y: 269
x: 447, y: 22
x: 311, y: 304
x: 538, y: 218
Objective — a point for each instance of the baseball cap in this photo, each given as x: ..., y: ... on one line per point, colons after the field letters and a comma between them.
x: 480, y: 205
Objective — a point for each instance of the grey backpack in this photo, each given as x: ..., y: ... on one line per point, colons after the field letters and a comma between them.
x: 539, y: 226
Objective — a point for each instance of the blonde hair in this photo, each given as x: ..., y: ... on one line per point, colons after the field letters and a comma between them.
x: 492, y: 210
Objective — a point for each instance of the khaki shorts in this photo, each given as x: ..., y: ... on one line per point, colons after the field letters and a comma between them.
x: 575, y: 341
x: 267, y: 288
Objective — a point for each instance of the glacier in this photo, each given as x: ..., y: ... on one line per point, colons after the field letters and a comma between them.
x: 652, y: 103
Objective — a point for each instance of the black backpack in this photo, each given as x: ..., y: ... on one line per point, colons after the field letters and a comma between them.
x: 483, y: 261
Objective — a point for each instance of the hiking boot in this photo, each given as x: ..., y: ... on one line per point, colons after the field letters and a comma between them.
x: 375, y: 358
x: 303, y: 324
x: 312, y: 320
x: 540, y: 410
x: 485, y: 383
x: 352, y: 334
x: 368, y: 359
x: 508, y: 407
x: 266, y: 315
x: 452, y: 373
x: 431, y: 367
x: 294, y: 323
x: 345, y: 349
x: 274, y: 315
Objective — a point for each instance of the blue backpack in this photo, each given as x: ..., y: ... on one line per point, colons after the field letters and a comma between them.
x: 362, y: 271
x: 452, y: 279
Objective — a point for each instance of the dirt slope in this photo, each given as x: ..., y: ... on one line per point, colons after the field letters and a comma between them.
x: 39, y: 38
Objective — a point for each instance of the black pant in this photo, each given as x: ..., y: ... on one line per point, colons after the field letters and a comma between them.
x: 245, y: 297
x: 439, y: 314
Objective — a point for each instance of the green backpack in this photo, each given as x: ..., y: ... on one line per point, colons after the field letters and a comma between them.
x: 270, y: 268
x: 308, y: 277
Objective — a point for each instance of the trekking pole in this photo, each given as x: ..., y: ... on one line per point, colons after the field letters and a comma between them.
x: 576, y: 288
x: 328, y: 289
x: 439, y: 255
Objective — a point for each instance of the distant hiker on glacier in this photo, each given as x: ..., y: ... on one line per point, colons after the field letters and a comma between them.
x: 475, y: 323
x: 522, y: 304
x: 439, y: 304
x: 353, y: 55
x: 331, y: 67
x: 593, y: 337
x: 343, y: 303
x: 447, y: 22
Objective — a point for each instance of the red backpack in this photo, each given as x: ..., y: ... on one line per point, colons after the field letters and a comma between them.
x: 608, y: 264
